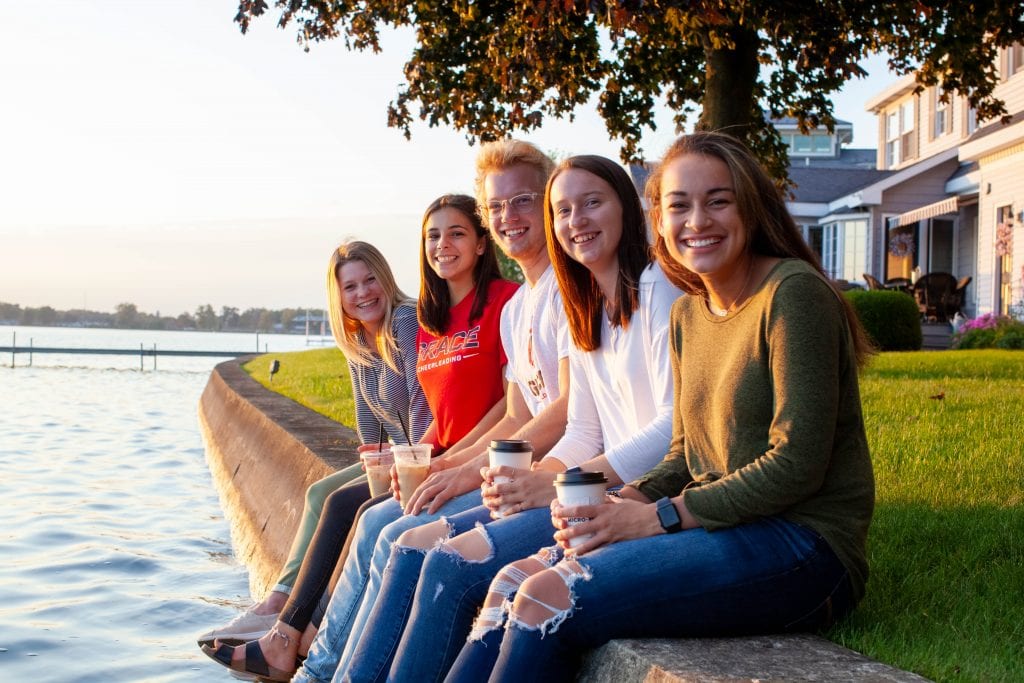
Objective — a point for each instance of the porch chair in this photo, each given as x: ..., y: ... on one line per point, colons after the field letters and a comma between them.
x: 934, y: 293
x: 873, y: 282
x: 958, y: 297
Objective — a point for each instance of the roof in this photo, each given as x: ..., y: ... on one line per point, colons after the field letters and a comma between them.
x: 817, y: 184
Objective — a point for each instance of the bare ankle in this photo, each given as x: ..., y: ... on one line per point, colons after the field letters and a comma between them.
x: 272, y: 604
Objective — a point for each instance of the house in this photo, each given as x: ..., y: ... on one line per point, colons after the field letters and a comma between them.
x: 951, y: 187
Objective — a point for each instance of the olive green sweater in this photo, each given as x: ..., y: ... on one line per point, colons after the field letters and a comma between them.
x: 768, y: 417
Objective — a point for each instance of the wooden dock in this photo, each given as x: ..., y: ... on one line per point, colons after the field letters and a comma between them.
x: 142, y: 352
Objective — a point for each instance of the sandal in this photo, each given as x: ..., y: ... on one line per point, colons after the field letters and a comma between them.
x: 254, y: 662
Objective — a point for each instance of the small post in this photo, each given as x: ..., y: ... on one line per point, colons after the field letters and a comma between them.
x: 31, y: 343
x: 154, y: 355
x: 257, y: 341
x: 142, y: 357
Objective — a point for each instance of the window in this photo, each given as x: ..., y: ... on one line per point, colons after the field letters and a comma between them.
x: 845, y: 249
x: 908, y: 148
x: 809, y: 145
x: 1015, y: 59
x: 942, y: 118
x: 892, y: 139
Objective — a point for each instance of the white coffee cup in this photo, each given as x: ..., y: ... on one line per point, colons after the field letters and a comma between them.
x: 513, y: 453
x: 580, y: 488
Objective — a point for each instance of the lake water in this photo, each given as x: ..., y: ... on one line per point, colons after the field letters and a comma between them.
x: 114, y: 552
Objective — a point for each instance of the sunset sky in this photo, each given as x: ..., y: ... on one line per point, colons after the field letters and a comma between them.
x: 152, y: 154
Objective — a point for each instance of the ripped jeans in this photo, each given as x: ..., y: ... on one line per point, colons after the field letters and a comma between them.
x: 354, y: 594
x: 766, y: 576
x: 447, y: 597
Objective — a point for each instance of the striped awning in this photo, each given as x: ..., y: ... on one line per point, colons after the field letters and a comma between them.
x: 939, y: 208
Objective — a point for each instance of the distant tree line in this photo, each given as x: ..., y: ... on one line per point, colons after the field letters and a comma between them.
x: 128, y: 316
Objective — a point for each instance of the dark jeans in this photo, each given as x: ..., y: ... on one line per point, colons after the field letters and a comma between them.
x: 766, y: 576
x: 326, y: 552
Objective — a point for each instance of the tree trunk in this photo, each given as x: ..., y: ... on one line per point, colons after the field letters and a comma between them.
x: 730, y: 76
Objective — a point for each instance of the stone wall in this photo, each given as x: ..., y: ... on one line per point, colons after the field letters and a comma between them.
x: 264, y: 450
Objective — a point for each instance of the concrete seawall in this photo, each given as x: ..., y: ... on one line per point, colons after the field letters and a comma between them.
x: 264, y: 450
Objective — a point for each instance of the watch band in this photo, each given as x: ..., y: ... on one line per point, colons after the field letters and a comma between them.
x: 668, y: 516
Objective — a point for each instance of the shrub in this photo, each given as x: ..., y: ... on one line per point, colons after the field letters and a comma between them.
x: 990, y: 331
x: 891, y: 319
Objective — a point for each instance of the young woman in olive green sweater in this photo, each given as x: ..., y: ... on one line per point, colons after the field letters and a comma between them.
x: 757, y: 518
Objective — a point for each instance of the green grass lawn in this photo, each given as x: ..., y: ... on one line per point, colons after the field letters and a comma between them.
x: 946, y: 593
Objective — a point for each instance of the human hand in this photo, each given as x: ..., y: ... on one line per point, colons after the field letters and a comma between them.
x: 615, y: 520
x: 436, y: 465
x: 440, y: 487
x: 517, y: 490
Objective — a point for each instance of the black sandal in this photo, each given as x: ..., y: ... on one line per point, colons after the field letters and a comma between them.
x: 254, y: 663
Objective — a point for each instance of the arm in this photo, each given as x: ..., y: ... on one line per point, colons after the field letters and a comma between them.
x: 367, y: 424
x: 419, y: 417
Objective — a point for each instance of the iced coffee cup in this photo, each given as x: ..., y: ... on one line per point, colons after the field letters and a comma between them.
x: 378, y: 469
x: 580, y: 488
x: 509, y: 453
x: 413, y: 465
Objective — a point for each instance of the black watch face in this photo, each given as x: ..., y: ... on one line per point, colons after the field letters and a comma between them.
x: 669, y: 517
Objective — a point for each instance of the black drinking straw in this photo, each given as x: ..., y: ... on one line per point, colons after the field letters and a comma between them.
x: 380, y: 438
x: 404, y: 430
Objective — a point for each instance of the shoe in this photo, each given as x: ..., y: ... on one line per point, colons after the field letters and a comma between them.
x: 243, y: 628
x: 253, y: 664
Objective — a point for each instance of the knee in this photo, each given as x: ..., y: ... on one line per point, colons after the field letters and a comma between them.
x: 424, y: 537
x: 473, y: 546
x: 540, y: 598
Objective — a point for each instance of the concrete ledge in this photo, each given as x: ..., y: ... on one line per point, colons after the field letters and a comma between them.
x: 264, y: 450
x: 730, y: 660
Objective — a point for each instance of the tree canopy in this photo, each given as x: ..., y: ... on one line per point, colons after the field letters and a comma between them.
x: 493, y: 67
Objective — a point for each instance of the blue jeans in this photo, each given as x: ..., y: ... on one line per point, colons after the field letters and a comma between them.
x: 373, y: 651
x: 451, y: 589
x: 767, y: 576
x: 375, y: 531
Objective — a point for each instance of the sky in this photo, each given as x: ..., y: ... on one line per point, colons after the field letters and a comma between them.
x: 150, y: 153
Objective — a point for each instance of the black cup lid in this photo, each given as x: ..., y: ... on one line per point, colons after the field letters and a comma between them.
x: 570, y: 478
x: 512, y: 446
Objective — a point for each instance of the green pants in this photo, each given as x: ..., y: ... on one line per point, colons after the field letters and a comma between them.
x: 316, y: 494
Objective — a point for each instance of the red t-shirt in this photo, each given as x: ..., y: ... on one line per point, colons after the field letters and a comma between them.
x: 461, y: 372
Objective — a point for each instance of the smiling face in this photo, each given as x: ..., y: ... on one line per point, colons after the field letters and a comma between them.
x: 518, y: 231
x: 700, y: 219
x: 587, y: 218
x: 451, y: 245
x: 362, y: 297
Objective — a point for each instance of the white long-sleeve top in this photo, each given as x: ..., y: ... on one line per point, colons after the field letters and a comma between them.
x: 620, y: 394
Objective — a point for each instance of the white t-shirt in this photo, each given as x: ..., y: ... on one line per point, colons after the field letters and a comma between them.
x: 535, y: 336
x: 620, y: 395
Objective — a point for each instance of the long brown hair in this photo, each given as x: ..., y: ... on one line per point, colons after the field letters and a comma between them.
x: 584, y: 302
x: 345, y: 329
x: 770, y: 228
x: 435, y: 300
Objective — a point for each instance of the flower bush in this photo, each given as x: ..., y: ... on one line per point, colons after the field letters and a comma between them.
x: 990, y: 331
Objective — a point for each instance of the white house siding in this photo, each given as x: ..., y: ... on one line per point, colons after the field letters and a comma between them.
x: 1002, y: 172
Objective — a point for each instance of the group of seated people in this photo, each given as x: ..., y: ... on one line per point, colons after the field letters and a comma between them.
x: 709, y: 372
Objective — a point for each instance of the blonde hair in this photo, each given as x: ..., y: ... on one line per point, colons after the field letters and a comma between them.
x: 499, y: 155
x: 345, y: 329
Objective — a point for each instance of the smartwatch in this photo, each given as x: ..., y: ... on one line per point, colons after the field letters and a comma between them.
x: 668, y: 516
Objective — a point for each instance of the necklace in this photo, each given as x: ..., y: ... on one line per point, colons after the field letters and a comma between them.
x: 722, y: 312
